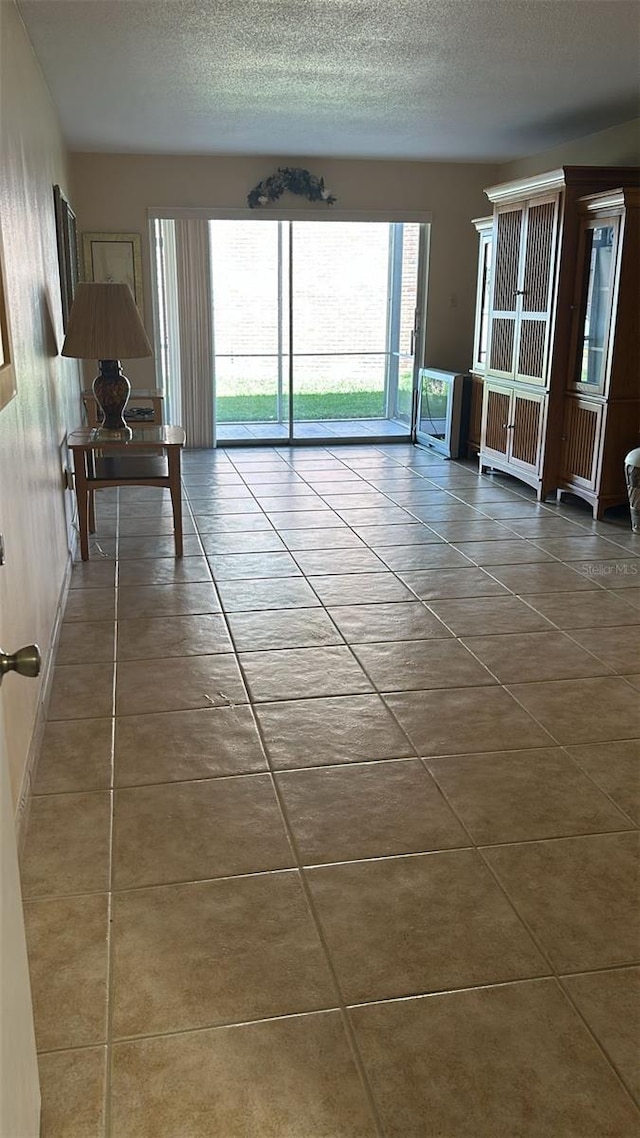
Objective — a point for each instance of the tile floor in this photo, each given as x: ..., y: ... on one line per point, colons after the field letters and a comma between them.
x: 334, y: 824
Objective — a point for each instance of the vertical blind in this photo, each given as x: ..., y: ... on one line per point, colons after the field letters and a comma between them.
x: 185, y: 326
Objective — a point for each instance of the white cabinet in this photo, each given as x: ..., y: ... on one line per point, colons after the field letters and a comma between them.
x: 512, y: 430
x: 484, y: 229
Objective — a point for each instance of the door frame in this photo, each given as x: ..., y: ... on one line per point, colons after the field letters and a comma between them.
x: 19, y: 1086
x: 420, y: 325
x: 422, y: 218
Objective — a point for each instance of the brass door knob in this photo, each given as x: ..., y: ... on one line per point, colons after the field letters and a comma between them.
x: 26, y: 661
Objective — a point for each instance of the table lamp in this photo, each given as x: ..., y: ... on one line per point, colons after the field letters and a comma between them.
x: 104, y: 324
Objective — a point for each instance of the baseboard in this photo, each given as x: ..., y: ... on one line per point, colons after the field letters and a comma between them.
x: 23, y: 805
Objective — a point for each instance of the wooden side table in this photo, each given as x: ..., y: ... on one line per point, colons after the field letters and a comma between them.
x: 100, y: 463
x: 143, y: 407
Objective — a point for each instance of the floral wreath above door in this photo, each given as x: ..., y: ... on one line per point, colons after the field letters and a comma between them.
x: 293, y: 179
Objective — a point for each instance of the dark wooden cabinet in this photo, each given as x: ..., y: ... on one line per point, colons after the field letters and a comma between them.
x: 580, y: 437
x: 474, y: 430
x: 601, y: 420
x: 532, y: 337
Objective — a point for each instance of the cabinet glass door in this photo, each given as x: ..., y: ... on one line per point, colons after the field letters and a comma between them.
x: 536, y: 291
x: 506, y: 258
x: 592, y: 347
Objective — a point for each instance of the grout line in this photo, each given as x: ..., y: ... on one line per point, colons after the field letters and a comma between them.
x: 109, y: 978
x: 436, y: 851
x: 309, y: 1013
x: 337, y: 765
x: 543, y: 977
x: 592, y: 779
x: 226, y: 1024
x: 602, y: 1047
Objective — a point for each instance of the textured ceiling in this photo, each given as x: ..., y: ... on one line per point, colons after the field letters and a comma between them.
x: 457, y: 79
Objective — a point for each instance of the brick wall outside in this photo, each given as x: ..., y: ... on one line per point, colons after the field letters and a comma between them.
x: 340, y: 283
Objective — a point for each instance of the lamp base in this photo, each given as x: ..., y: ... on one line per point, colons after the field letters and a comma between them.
x: 112, y: 389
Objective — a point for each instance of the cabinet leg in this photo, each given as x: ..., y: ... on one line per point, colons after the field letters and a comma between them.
x: 173, y: 457
x: 82, y: 499
x: 83, y: 511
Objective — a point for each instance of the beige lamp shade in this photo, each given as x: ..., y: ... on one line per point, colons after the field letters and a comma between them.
x: 104, y: 324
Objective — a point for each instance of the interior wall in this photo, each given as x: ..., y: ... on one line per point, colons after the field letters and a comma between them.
x: 617, y: 146
x: 112, y: 193
x: 34, y: 509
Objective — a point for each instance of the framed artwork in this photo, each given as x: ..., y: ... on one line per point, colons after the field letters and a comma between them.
x: 7, y: 370
x: 67, y: 238
x: 114, y: 257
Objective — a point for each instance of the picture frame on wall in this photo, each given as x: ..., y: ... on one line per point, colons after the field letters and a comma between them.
x: 67, y: 239
x: 114, y: 257
x: 7, y: 370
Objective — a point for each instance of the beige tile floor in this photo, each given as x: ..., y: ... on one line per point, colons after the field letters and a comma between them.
x: 334, y: 825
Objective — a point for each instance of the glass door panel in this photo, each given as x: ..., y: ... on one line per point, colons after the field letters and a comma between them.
x: 482, y: 315
x: 404, y: 343
x: 339, y: 313
x: 250, y: 320
x: 601, y: 264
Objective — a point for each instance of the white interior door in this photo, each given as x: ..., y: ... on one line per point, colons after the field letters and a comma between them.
x: 19, y: 1087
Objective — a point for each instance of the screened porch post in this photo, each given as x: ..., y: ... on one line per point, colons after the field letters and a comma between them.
x: 280, y: 326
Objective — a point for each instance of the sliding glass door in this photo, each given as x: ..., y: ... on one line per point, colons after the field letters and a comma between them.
x: 314, y: 326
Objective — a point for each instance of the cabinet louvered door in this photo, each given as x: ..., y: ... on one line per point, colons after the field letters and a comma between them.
x: 508, y: 240
x: 495, y: 419
x: 580, y: 438
x: 535, y: 288
x: 526, y: 429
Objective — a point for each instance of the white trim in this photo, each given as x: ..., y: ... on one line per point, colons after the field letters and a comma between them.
x: 527, y: 187
x: 174, y: 364
x: 23, y: 805
x: 211, y: 213
x: 610, y: 199
x: 422, y: 301
x: 155, y: 306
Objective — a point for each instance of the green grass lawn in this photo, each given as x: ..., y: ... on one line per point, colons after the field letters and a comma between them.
x: 307, y: 406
